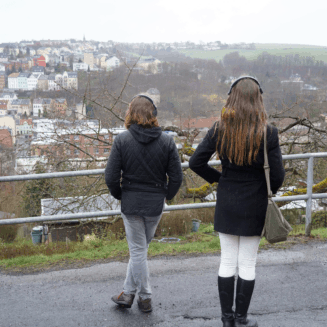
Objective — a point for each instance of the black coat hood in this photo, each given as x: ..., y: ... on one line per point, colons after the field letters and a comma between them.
x: 136, y: 172
x: 145, y: 135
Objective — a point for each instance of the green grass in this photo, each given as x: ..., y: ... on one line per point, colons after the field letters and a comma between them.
x: 23, y: 254
x: 75, y: 251
x: 286, y: 45
x: 320, y: 53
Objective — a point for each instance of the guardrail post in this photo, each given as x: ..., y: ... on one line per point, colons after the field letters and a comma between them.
x: 309, y: 201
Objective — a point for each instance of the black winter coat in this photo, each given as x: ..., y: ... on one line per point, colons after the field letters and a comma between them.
x: 137, y: 169
x: 242, y: 197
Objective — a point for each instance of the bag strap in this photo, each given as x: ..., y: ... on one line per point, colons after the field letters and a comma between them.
x: 266, y: 164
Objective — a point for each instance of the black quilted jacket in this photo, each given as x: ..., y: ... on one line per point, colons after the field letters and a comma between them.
x: 242, y: 197
x: 137, y: 169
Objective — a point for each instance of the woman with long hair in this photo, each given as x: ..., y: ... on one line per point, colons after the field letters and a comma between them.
x: 136, y: 173
x: 242, y: 197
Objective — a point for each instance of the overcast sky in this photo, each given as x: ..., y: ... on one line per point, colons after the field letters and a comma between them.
x: 259, y: 21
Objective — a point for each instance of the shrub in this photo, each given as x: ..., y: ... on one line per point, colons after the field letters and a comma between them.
x: 116, y: 230
x: 292, y: 215
x: 180, y: 222
x: 319, y: 219
x: 174, y: 223
x: 206, y: 215
x: 8, y: 233
x: 208, y: 229
x: 27, y: 248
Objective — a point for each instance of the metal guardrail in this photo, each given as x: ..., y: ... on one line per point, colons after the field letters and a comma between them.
x: 308, y: 197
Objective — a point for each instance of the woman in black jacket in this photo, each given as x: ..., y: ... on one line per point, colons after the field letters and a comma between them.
x: 136, y: 173
x: 242, y: 197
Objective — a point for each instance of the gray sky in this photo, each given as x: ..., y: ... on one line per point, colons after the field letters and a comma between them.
x: 259, y: 21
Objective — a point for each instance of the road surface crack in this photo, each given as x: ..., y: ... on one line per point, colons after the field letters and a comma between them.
x: 196, y: 317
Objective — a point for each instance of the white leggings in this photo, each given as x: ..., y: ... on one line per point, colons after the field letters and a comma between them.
x: 238, y: 251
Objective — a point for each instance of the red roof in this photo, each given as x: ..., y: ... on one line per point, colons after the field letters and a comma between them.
x: 5, y: 138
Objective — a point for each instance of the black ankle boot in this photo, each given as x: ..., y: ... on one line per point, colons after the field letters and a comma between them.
x: 226, y: 296
x: 244, y: 290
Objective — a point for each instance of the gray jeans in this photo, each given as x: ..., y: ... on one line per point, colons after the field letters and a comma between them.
x: 139, y: 233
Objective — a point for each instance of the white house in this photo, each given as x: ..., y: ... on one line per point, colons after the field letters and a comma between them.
x: 59, y: 80
x: 80, y: 66
x: 52, y: 83
x: 32, y: 81
x: 2, y: 68
x: 41, y: 104
x: 22, y: 81
x: 13, y: 81
x: 24, y: 128
x: 3, y: 57
x: 8, y: 96
x: 37, y: 107
x: 112, y: 62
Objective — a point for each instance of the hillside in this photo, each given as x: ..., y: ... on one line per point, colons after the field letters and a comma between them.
x: 320, y: 53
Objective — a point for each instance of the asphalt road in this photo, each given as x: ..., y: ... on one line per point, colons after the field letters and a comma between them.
x: 291, y: 291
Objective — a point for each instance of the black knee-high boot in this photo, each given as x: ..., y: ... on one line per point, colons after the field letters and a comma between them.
x: 226, y: 296
x: 244, y: 290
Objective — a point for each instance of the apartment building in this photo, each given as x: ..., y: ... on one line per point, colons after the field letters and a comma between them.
x: 4, y: 105
x: 42, y: 105
x: 9, y: 123
x: 22, y: 81
x: 80, y: 66
x: 13, y: 81
x: 72, y: 80
x: 43, y: 83
x: 22, y: 106
x: 39, y: 61
x: 2, y: 80
x: 53, y: 86
x: 32, y: 81
x: 25, y: 127
x: 60, y: 106
x: 112, y: 62
x: 89, y: 59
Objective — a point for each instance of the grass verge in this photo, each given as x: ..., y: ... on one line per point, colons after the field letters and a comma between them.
x: 23, y: 256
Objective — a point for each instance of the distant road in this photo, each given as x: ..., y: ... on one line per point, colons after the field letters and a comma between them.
x: 291, y: 291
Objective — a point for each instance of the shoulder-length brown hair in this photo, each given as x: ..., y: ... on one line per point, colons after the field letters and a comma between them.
x: 242, y: 124
x: 140, y: 112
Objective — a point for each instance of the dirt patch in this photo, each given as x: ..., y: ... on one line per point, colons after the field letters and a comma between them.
x: 293, y: 240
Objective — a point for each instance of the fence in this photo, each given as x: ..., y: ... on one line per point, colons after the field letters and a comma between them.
x: 308, y: 196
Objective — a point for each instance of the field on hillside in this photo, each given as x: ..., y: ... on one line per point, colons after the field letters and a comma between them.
x: 320, y: 53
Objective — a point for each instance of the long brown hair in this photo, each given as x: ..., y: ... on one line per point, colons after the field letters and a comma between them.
x: 242, y: 124
x: 140, y: 112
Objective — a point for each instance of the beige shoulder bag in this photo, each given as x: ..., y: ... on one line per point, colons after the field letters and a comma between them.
x: 276, y: 228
